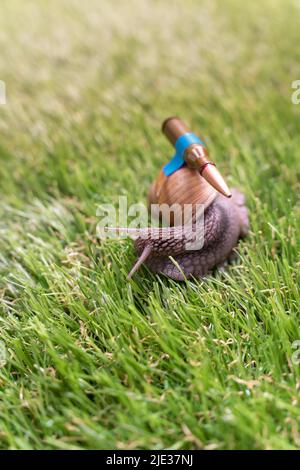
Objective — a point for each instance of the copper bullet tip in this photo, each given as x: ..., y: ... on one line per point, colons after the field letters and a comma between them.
x: 215, y: 179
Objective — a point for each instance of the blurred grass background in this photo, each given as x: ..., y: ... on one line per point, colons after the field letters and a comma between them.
x: 93, y: 361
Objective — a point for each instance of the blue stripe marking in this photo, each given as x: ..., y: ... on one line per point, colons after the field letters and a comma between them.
x: 182, y: 143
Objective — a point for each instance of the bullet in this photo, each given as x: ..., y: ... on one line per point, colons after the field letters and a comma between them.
x: 194, y: 153
x: 213, y: 177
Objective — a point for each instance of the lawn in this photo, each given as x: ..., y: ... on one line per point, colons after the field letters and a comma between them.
x: 89, y: 360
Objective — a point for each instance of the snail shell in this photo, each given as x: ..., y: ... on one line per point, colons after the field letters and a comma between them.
x: 184, y: 186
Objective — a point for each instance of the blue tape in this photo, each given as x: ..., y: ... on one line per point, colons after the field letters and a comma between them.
x: 182, y: 143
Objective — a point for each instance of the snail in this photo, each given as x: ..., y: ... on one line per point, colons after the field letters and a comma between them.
x: 190, y: 179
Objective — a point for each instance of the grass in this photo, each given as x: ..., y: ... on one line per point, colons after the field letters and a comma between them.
x: 93, y: 361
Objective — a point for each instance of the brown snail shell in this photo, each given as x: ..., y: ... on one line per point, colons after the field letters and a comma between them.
x: 184, y: 186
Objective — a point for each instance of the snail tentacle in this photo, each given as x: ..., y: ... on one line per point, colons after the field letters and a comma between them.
x: 146, y: 252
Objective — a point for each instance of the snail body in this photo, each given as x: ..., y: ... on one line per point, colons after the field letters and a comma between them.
x: 225, y: 222
x: 190, y: 179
